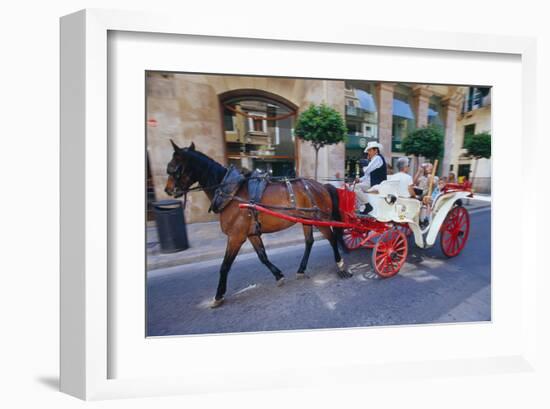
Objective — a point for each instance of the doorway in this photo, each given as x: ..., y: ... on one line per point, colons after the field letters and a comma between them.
x: 463, y: 172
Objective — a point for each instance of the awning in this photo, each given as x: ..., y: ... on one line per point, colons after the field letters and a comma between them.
x: 366, y: 101
x: 402, y: 109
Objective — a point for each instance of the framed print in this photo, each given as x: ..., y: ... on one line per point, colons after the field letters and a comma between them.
x: 189, y: 152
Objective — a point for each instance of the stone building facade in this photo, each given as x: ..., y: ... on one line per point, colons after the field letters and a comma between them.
x: 192, y: 108
x: 230, y: 118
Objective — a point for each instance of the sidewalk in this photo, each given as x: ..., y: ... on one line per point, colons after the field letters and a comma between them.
x: 207, y: 242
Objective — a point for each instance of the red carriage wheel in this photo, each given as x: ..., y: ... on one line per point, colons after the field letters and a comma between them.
x: 454, y: 231
x: 353, y: 238
x: 390, y: 253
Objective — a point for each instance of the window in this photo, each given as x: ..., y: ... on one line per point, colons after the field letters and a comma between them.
x: 434, y: 111
x: 259, y: 135
x: 403, y: 118
x: 469, y: 130
x: 228, y: 120
x: 476, y: 98
x: 258, y: 125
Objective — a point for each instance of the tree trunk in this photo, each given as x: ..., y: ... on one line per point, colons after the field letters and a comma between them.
x: 316, y: 158
x: 474, y: 173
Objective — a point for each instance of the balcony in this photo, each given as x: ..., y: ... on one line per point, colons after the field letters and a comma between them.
x: 257, y: 137
x: 354, y: 111
x: 477, y: 101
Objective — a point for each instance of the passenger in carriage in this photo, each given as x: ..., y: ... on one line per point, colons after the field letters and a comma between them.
x: 422, y: 180
x: 439, y: 188
x: 405, y: 180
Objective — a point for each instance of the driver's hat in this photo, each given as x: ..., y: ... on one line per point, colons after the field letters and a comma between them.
x: 373, y: 144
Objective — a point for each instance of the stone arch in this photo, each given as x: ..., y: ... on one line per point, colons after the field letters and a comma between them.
x: 255, y: 92
x: 258, y: 95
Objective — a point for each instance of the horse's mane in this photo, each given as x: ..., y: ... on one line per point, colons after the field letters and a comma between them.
x: 211, y: 172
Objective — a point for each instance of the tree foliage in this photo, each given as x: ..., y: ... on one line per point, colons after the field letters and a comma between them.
x: 479, y: 145
x: 427, y: 142
x: 321, y: 125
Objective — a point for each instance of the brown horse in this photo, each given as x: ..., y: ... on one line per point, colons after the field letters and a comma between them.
x: 189, y: 166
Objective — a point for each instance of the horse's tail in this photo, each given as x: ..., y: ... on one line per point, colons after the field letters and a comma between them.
x: 338, y: 232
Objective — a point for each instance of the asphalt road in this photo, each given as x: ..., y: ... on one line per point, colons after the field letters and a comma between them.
x: 429, y: 289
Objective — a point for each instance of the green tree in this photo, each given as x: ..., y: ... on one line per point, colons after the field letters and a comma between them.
x: 478, y: 146
x: 427, y: 142
x: 321, y: 125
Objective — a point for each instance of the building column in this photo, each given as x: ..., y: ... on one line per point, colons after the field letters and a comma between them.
x: 450, y: 112
x: 421, y: 103
x: 332, y: 157
x: 384, y: 97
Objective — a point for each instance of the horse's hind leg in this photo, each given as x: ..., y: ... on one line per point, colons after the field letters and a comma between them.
x: 308, y: 234
x: 234, y: 244
x: 258, y: 245
x: 327, y: 232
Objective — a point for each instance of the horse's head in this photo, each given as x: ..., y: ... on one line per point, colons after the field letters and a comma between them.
x: 181, y: 176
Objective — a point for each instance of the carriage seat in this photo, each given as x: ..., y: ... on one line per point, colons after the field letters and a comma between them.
x: 403, y: 208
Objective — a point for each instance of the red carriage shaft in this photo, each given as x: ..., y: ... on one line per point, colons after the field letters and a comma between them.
x: 294, y: 219
x: 363, y: 225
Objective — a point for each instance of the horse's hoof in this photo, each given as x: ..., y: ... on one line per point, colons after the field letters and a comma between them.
x: 301, y: 276
x: 217, y: 303
x: 280, y: 281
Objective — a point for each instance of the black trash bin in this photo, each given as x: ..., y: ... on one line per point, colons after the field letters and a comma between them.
x: 170, y: 221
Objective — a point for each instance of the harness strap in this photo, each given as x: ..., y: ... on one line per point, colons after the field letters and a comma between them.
x: 291, y: 195
x: 310, y: 196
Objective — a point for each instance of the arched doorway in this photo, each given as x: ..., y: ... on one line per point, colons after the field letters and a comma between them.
x: 258, y: 131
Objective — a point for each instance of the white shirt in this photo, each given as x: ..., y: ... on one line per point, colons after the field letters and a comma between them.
x: 405, y: 180
x: 374, y: 164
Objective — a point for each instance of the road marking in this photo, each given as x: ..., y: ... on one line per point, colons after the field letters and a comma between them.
x: 323, y: 281
x: 331, y: 305
x: 250, y: 287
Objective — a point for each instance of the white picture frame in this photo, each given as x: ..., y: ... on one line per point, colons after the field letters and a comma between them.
x: 85, y: 220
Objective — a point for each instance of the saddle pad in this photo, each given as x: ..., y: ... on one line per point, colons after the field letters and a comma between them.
x: 256, y: 186
x: 224, y: 194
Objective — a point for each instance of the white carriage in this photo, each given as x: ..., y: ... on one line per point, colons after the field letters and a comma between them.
x: 393, y: 218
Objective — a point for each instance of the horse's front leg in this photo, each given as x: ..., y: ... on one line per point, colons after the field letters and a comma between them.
x: 234, y: 244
